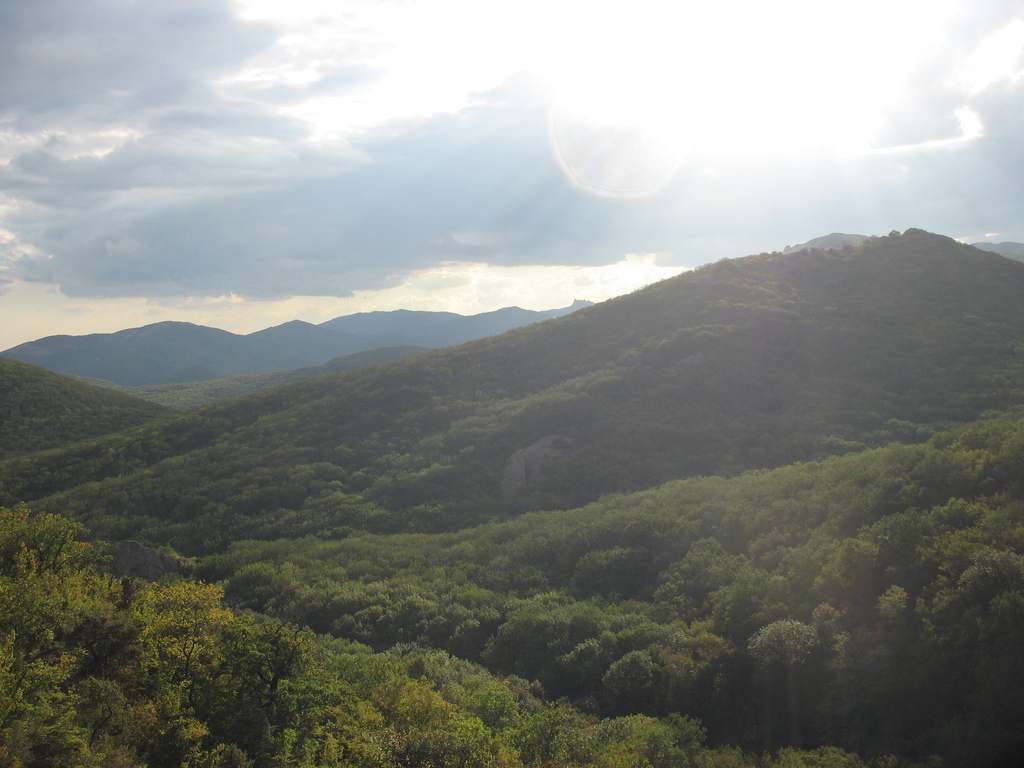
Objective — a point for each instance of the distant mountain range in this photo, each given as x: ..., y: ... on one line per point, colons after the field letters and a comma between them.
x: 1009, y: 250
x: 175, y: 352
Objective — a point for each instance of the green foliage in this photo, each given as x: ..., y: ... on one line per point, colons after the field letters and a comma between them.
x: 96, y: 671
x: 100, y: 671
x: 40, y: 409
x: 860, y: 602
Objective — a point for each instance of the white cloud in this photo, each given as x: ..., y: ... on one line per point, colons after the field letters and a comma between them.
x: 998, y: 56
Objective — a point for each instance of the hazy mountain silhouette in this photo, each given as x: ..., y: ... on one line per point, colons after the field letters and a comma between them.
x: 1010, y: 250
x: 172, y: 352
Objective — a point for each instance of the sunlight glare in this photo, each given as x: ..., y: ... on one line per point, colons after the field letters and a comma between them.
x: 640, y: 90
x: 997, y: 56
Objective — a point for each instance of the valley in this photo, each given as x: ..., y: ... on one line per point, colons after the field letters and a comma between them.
x: 767, y: 513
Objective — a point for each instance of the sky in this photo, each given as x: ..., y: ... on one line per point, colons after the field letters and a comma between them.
x: 243, y: 163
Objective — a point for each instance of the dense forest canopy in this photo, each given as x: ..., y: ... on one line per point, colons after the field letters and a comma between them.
x: 768, y: 513
x: 40, y: 409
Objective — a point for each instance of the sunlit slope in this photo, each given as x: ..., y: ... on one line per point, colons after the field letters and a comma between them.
x: 41, y: 409
x: 753, y: 362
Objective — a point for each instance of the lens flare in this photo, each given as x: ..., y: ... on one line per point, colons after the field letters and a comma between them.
x: 613, y: 159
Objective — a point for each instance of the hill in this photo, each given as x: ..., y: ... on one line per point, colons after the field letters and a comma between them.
x: 118, y: 672
x: 871, y: 603
x: 747, y: 363
x: 40, y: 409
x: 183, y: 396
x: 175, y: 352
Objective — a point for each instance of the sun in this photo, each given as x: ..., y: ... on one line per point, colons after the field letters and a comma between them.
x: 640, y: 88
x: 643, y: 87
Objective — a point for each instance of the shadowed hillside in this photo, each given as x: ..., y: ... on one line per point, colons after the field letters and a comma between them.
x: 185, y: 395
x: 872, y: 601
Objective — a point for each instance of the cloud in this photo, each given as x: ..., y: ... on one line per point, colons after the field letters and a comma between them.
x: 98, y: 62
x: 984, y: 54
x: 208, y: 212
x: 180, y: 149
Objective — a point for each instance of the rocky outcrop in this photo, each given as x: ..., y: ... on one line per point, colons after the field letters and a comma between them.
x: 141, y: 562
x: 524, y: 466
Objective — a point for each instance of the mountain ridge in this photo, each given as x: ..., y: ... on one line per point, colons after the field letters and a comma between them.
x: 174, y: 351
x: 186, y: 395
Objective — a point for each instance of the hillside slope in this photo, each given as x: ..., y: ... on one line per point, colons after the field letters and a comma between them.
x: 748, y: 363
x: 40, y: 409
x: 185, y: 395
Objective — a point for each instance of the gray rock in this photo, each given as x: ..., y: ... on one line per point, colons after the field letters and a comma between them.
x: 524, y: 466
x: 141, y: 562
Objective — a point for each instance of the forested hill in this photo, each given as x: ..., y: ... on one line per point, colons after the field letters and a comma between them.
x: 41, y: 409
x: 753, y: 362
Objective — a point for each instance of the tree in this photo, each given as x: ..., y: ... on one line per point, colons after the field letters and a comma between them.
x: 780, y: 649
